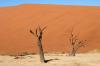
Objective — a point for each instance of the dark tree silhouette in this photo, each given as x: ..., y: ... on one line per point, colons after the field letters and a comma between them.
x: 38, y: 34
x: 75, y: 44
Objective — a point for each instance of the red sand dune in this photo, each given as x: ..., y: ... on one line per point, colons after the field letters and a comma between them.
x: 16, y: 21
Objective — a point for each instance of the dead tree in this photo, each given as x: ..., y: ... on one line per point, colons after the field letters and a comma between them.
x: 75, y: 44
x: 38, y: 34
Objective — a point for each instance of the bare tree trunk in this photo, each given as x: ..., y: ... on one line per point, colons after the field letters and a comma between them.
x: 38, y: 34
x: 72, y: 52
x: 42, y: 59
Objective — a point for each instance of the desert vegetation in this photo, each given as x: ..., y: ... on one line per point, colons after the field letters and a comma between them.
x: 38, y: 34
x: 58, y: 19
x: 75, y: 43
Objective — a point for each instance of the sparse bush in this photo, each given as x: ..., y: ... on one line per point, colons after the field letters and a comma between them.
x: 75, y: 44
x: 19, y: 57
x: 95, y: 51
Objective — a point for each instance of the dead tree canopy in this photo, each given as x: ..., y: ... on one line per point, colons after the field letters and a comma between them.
x: 75, y: 44
x: 38, y: 33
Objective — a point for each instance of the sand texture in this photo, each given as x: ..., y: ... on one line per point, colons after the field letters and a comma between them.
x: 54, y: 60
x: 16, y: 21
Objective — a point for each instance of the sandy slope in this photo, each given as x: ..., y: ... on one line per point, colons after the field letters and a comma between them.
x: 16, y: 21
x: 56, y: 60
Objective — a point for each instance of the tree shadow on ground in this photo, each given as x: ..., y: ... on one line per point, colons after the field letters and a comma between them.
x: 46, y: 61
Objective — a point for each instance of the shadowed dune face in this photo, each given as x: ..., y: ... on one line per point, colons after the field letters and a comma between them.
x: 15, y: 23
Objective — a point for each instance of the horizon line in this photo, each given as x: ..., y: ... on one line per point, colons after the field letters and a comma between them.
x: 51, y: 4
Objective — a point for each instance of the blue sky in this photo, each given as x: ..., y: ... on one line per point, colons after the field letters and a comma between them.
x: 65, y: 2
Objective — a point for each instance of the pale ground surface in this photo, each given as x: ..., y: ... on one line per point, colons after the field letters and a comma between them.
x: 56, y: 60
